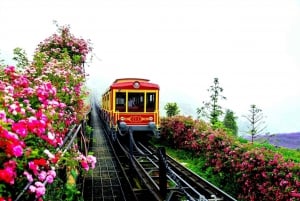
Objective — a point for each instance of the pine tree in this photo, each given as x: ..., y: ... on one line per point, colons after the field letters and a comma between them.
x: 256, y: 120
x: 212, y: 110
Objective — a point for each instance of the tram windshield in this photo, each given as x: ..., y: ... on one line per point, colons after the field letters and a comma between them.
x: 136, y: 102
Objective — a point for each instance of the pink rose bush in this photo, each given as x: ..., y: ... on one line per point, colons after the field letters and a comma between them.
x: 57, y: 45
x: 38, y: 105
x: 247, y: 173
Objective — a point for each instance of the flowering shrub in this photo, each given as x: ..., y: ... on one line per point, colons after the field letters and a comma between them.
x: 253, y: 173
x: 182, y: 132
x: 57, y: 45
x: 37, y: 107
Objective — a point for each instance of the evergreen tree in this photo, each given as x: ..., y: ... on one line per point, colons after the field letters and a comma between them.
x: 212, y: 110
x: 172, y: 109
x: 256, y: 121
x: 229, y: 122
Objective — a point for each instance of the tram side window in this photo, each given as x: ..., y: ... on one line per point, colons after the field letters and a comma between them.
x: 135, y: 102
x: 120, y: 101
x: 150, y: 107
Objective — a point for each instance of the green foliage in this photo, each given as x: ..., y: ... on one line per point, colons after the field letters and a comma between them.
x: 59, y: 190
x: 172, y: 109
x: 72, y: 193
x: 229, y: 122
x: 241, y: 140
x: 88, y: 130
x: 288, y: 154
x: 212, y: 110
x: 20, y: 57
x: 1, y: 62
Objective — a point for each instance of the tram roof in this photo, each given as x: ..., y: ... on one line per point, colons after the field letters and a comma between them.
x: 133, y: 83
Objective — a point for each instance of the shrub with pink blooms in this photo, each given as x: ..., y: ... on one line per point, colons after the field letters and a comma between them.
x: 244, y: 170
x: 38, y: 106
x: 65, y: 43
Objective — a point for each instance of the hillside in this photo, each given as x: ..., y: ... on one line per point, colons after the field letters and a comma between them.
x: 288, y: 140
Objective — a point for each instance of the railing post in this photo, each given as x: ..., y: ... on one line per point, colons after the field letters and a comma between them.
x: 161, y: 152
x: 130, y: 143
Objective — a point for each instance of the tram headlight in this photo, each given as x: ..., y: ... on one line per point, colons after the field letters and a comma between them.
x: 136, y: 85
x: 122, y: 125
x: 122, y: 118
x: 152, y: 125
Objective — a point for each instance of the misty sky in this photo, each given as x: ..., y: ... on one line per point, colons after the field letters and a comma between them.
x: 253, y: 47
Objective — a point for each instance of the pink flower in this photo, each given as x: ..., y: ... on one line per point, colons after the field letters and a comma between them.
x: 38, y: 184
x: 17, y: 150
x: 40, y: 190
x: 85, y: 165
x: 49, y: 179
x: 29, y: 176
x: 295, y: 194
x: 2, y: 115
x: 32, y: 188
x: 92, y: 160
x: 51, y: 173
x: 20, y: 128
x: 33, y: 167
x: 22, y: 81
x: 13, y: 109
x: 36, y: 126
x: 9, y: 90
x: 9, y: 69
x: 42, y: 175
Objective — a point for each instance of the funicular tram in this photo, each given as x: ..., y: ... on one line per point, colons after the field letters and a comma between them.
x: 131, y: 103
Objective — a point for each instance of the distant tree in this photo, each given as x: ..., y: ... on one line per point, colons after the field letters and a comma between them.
x: 212, y: 110
x: 20, y: 57
x: 256, y: 121
x: 172, y: 109
x: 229, y: 122
x: 1, y: 62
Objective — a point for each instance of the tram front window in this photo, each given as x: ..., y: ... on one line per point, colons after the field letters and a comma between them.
x: 135, y: 102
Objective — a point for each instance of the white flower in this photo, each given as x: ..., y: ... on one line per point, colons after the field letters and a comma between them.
x: 49, y: 154
x: 51, y: 136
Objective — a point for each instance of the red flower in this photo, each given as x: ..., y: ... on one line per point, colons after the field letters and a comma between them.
x: 41, y: 162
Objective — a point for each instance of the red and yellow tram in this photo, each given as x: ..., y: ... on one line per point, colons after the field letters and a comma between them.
x: 131, y: 103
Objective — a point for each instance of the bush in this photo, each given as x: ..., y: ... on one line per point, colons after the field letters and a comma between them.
x: 245, y: 171
x: 37, y: 107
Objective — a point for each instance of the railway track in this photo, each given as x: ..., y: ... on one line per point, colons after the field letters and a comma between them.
x: 197, y: 186
x: 155, y: 176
